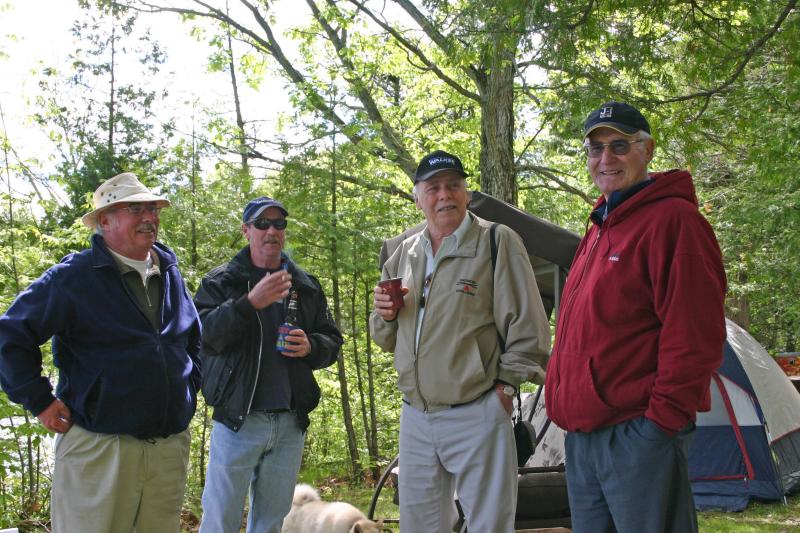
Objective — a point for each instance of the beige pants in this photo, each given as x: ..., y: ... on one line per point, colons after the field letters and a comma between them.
x: 118, y: 483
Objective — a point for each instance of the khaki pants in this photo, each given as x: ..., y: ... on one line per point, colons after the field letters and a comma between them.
x: 118, y: 483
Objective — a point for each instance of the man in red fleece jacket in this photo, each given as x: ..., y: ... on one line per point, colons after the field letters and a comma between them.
x: 640, y: 331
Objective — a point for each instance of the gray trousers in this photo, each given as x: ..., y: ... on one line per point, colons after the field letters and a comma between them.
x: 117, y: 483
x: 630, y: 478
x: 469, y: 448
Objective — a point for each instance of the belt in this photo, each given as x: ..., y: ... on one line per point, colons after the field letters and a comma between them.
x: 453, y: 406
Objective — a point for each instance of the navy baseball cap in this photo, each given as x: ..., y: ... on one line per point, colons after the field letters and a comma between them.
x: 257, y: 206
x: 619, y: 116
x: 436, y: 162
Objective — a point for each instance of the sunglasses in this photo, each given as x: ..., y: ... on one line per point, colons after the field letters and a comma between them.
x: 266, y: 223
x: 618, y: 147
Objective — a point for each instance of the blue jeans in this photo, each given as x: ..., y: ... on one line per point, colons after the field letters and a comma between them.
x: 630, y: 477
x: 264, y: 456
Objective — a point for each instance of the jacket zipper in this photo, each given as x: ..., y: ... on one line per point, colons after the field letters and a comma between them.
x: 260, y: 347
x: 562, y: 326
x: 156, y: 330
x: 416, y: 344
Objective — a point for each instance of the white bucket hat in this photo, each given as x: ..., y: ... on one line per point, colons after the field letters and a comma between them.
x: 121, y: 188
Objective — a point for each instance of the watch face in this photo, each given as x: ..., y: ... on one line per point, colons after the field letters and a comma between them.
x: 508, y: 390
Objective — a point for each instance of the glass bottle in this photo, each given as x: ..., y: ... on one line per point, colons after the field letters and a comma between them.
x: 290, y: 323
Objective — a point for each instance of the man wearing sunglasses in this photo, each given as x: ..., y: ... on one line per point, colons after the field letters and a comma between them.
x: 640, y: 331
x: 261, y: 397
x: 125, y: 338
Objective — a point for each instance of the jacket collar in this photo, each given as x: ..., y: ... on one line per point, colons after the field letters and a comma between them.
x: 240, y: 267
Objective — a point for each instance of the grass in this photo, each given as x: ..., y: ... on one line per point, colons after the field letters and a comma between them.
x: 772, y: 517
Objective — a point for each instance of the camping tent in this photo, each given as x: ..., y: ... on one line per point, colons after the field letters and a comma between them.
x: 747, y: 446
x: 550, y: 247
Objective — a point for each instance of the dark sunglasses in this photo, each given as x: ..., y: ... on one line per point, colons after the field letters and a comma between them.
x: 618, y: 147
x: 266, y: 223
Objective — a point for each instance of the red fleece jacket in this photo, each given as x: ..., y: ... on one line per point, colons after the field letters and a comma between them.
x: 641, y: 326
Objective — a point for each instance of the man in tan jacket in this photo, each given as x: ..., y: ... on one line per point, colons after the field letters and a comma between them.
x: 468, y: 334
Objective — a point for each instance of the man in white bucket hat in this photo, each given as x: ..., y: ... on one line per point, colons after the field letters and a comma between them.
x: 125, y: 337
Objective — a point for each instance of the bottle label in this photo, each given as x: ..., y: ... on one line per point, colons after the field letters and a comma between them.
x: 283, y: 331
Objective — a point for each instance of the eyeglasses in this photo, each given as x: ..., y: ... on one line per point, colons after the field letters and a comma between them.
x: 266, y: 223
x: 618, y: 147
x: 138, y: 210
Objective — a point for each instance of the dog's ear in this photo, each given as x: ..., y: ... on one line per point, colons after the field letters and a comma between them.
x: 365, y: 526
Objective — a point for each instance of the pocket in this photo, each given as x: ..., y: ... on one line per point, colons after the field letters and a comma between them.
x: 576, y: 400
x: 216, y: 375
x: 648, y: 430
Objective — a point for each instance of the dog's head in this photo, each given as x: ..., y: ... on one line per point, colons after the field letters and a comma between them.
x: 365, y: 526
x: 304, y: 493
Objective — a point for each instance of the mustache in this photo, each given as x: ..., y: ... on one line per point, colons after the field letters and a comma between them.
x: 147, y: 226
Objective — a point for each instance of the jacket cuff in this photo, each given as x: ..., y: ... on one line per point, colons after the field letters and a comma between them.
x: 243, y: 306
x: 508, y: 378
x: 37, y: 405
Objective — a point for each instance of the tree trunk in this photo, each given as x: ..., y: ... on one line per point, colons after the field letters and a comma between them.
x: 112, y: 93
x: 243, y: 150
x: 355, y: 463
x: 372, y: 435
x: 497, y: 165
x: 740, y: 305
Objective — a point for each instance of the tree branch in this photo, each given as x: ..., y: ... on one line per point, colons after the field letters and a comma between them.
x: 747, y: 56
x: 550, y: 174
x: 414, y: 49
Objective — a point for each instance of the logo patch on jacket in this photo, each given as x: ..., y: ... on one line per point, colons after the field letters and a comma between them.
x: 614, y: 257
x: 466, y: 286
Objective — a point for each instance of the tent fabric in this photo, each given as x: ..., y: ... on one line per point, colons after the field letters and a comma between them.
x: 746, y: 447
x: 755, y: 416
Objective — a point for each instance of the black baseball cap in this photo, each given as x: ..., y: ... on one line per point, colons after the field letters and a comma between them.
x: 257, y: 206
x: 619, y: 116
x: 436, y: 162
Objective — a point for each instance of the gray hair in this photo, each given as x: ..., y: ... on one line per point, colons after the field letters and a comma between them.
x: 98, y: 229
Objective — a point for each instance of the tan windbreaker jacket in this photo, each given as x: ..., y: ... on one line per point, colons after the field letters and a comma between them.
x: 459, y: 356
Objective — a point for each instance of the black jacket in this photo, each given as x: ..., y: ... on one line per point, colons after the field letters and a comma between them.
x: 231, y: 342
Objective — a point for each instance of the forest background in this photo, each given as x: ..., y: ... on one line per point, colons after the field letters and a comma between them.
x: 363, y: 89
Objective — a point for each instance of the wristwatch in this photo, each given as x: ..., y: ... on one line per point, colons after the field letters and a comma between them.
x: 509, y: 391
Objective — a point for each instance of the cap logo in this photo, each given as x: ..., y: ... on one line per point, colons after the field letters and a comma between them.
x: 436, y: 160
x: 606, y: 112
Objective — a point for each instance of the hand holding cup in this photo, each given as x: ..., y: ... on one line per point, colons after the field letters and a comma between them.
x: 389, y: 297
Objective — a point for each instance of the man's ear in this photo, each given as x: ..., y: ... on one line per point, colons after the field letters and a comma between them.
x: 650, y: 148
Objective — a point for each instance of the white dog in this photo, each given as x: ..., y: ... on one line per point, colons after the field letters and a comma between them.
x: 310, y: 514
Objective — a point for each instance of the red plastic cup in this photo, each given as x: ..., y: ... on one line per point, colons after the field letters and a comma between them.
x: 393, y: 287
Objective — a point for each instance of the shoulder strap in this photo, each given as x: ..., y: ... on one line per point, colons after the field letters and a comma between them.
x: 493, y: 247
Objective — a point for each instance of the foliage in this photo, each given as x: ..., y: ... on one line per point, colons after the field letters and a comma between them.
x: 374, y: 85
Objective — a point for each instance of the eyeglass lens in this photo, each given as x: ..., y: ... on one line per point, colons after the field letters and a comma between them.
x: 139, y: 209
x: 618, y: 147
x: 265, y: 223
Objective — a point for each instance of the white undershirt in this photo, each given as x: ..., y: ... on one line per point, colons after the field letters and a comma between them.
x: 449, y: 245
x: 145, y: 268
